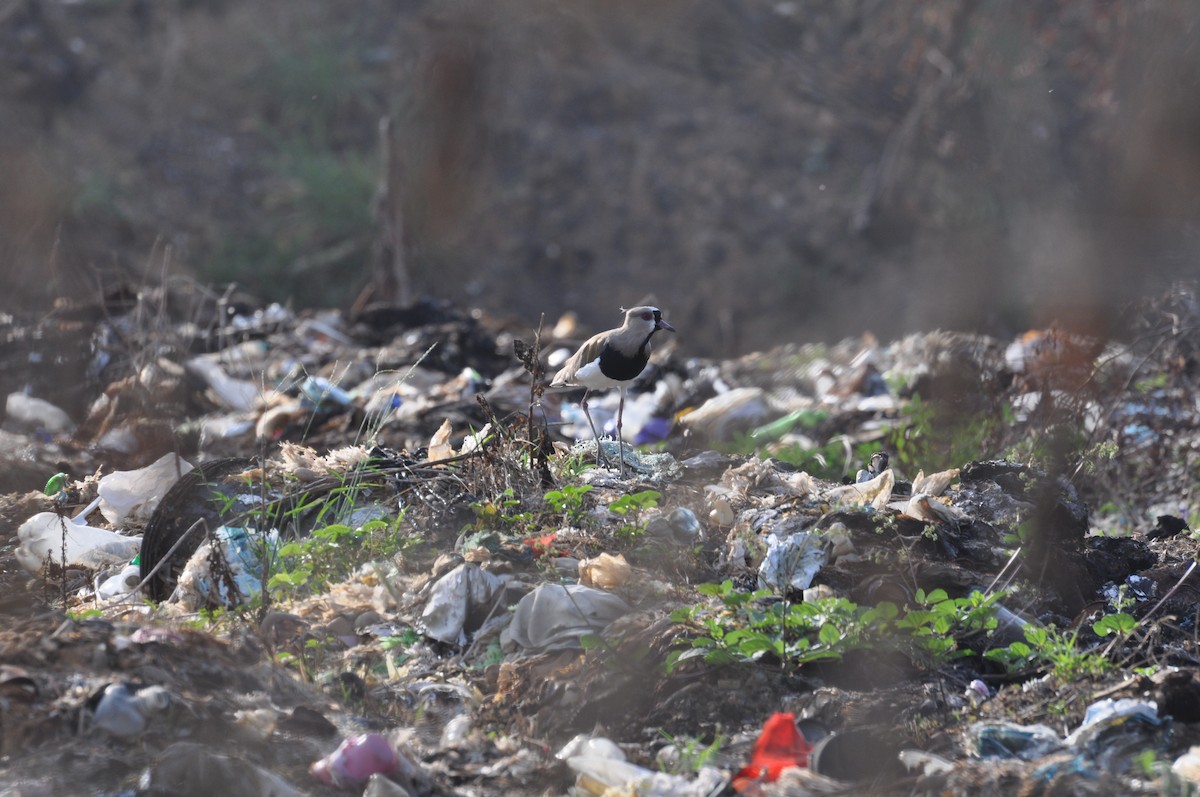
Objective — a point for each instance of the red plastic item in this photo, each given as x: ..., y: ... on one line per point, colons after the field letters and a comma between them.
x: 543, y: 545
x: 355, y: 761
x: 779, y: 747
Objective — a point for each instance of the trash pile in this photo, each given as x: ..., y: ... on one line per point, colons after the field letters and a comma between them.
x: 287, y: 553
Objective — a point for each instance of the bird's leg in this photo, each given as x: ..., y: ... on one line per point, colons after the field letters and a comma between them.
x: 620, y: 438
x: 600, y: 459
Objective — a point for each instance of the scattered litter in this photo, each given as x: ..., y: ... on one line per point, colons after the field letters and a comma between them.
x: 1112, y: 733
x: 719, y: 418
x: 356, y: 760
x: 123, y: 711
x: 61, y: 541
x: 36, y: 414
x: 679, y: 527
x: 601, y: 770
x: 464, y: 591
x: 994, y: 739
x: 605, y: 571
x: 227, y: 569
x: 779, y: 746
x: 875, y: 492
x: 122, y: 584
x: 926, y: 763
x: 922, y: 506
x: 1187, y: 766
x: 235, y: 394
x: 934, y: 484
x: 792, y: 562
x: 132, y: 495
x: 556, y: 616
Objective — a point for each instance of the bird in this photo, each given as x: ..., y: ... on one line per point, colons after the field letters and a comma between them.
x: 612, y: 359
x: 877, y: 465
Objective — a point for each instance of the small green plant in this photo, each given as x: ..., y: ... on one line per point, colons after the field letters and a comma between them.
x: 500, y: 513
x: 394, y: 648
x: 1055, y: 650
x: 571, y: 468
x: 941, y: 622
x: 1015, y: 657
x: 630, y: 507
x: 635, y: 503
x: 86, y: 614
x: 1121, y: 623
x: 748, y: 627
x: 745, y: 628
x: 332, y: 552
x: 690, y: 754
x: 1149, y: 384
x: 568, y: 501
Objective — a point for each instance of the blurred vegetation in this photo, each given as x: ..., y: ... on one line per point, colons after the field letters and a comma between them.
x: 824, y: 169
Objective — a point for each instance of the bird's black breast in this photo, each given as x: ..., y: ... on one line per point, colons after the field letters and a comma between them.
x: 622, y: 367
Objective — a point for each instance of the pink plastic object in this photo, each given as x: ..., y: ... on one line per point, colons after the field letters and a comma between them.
x: 355, y: 761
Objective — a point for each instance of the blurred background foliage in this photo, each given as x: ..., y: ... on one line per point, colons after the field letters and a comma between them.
x: 765, y: 170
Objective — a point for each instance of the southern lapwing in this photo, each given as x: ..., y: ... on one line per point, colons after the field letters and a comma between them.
x: 612, y: 359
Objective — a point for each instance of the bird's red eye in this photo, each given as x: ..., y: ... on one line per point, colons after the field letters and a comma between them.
x: 647, y: 316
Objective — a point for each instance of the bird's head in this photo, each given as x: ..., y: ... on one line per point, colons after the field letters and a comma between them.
x: 649, y: 318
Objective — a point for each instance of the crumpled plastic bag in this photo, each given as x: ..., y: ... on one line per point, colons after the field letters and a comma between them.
x: 355, y: 760
x: 651, y: 467
x: 47, y: 536
x: 876, y: 492
x: 239, y: 395
x: 792, y: 561
x: 36, y: 413
x: 242, y: 552
x: 452, y: 598
x: 133, y: 494
x: 935, y: 483
x: 555, y: 616
x: 125, y: 711
x: 605, y: 571
x: 1000, y: 739
x: 601, y: 769
x: 779, y: 746
x: 924, y: 507
x: 721, y: 416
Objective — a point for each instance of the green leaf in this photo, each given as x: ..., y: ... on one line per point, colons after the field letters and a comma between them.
x: 1120, y: 623
x: 715, y: 590
x: 755, y: 646
x: 291, y: 549
x: 937, y: 596
x: 829, y: 635
x: 1021, y: 649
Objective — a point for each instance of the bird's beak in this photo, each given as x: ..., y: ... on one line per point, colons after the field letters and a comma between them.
x: 660, y: 324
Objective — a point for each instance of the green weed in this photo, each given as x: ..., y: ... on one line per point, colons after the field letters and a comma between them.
x: 568, y: 501
x: 630, y: 507
x: 690, y: 754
